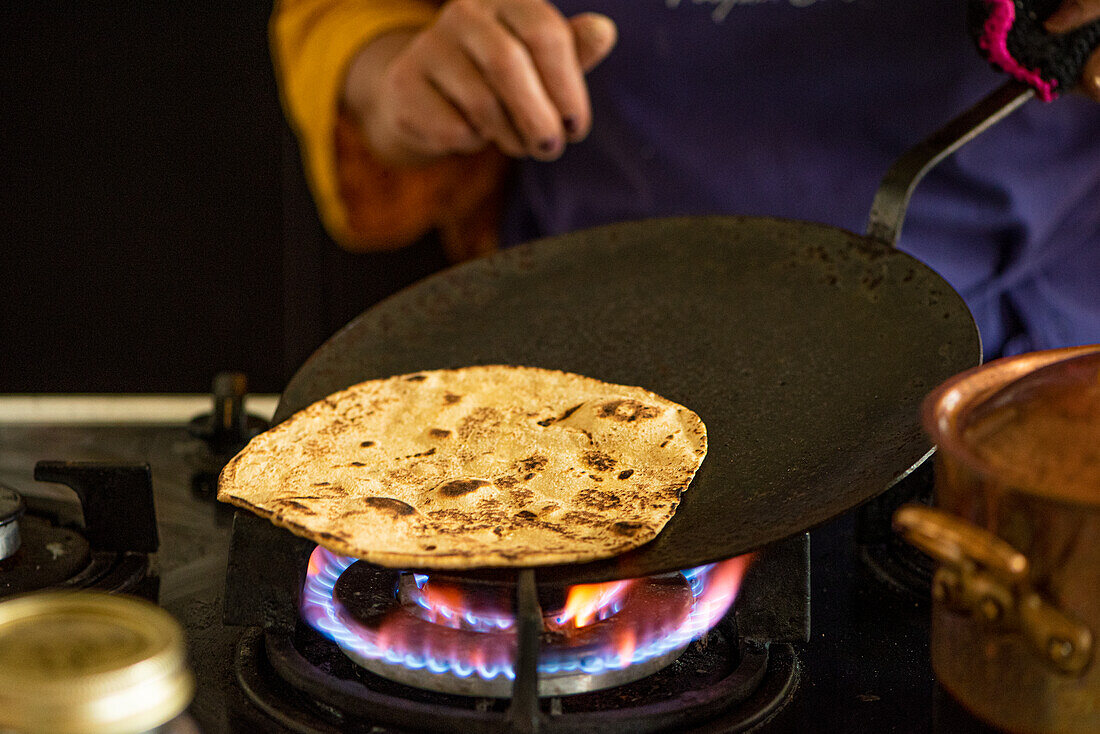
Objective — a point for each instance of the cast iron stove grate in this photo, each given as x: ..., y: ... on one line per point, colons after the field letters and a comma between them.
x: 308, y: 684
x: 304, y: 682
x: 110, y: 552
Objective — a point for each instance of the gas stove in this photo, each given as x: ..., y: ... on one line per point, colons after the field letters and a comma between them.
x: 236, y: 585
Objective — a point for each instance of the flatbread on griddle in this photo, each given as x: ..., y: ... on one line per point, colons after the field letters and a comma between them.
x: 481, y: 466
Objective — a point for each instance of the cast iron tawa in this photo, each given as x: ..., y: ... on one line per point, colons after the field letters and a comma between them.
x: 805, y: 349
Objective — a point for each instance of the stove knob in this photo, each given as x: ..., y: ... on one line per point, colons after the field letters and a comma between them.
x: 229, y: 392
x: 228, y: 428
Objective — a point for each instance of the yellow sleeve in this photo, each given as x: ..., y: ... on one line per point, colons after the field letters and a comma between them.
x: 313, y: 42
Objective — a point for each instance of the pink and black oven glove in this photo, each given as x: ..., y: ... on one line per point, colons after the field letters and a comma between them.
x: 1010, y: 35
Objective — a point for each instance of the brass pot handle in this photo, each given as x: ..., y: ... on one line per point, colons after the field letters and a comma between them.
x: 985, y: 577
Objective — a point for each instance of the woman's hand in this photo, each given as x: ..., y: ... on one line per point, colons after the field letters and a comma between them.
x: 1073, y: 14
x: 504, y: 72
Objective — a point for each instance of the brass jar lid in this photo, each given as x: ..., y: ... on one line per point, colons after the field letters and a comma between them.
x: 90, y: 663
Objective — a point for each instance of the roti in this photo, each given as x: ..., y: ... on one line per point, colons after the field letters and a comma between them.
x: 488, y: 466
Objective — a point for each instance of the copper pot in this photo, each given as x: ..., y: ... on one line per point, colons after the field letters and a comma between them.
x: 1016, y: 532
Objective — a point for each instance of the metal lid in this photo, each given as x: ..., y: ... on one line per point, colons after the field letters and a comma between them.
x: 90, y: 663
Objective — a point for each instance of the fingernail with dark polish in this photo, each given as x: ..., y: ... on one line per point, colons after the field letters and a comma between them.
x: 548, y: 145
x: 570, y: 125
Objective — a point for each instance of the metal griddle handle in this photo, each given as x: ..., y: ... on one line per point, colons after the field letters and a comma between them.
x: 892, y: 198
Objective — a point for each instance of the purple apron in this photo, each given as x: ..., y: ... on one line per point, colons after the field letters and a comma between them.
x: 796, y: 108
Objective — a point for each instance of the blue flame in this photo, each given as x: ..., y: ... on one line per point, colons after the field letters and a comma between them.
x: 322, y: 612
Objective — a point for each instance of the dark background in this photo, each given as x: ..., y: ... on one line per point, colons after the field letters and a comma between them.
x: 155, y: 223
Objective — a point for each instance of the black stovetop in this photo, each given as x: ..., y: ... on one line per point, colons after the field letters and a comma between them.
x: 865, y: 668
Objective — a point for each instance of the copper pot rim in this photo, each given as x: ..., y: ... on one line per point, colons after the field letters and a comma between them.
x: 944, y: 409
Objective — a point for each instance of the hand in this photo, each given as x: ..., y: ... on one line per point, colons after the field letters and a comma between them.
x: 1073, y: 14
x: 503, y: 72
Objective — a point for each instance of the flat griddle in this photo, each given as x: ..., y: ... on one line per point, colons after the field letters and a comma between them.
x: 806, y: 349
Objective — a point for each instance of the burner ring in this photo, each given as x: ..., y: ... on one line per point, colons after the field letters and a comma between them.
x: 659, y: 606
x: 553, y: 684
x: 279, y: 679
x: 383, y: 629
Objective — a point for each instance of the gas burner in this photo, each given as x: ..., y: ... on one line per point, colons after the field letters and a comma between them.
x: 901, y: 568
x: 461, y: 639
x: 736, y: 675
x: 719, y: 685
x: 886, y: 558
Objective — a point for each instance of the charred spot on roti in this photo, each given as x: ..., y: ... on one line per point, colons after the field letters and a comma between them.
x: 627, y: 410
x: 553, y: 527
x: 438, y: 432
x: 320, y: 484
x: 520, y: 496
x: 672, y: 492
x: 626, y: 473
x: 668, y: 438
x: 526, y: 515
x: 295, y: 525
x: 420, y: 455
x: 396, y: 508
x: 366, y: 444
x: 595, y: 478
x: 528, y: 476
x: 598, y: 500
x: 507, y: 482
x: 580, y: 517
x: 488, y: 504
x: 337, y: 426
x: 249, y: 506
x: 416, y: 378
x: 533, y: 463
x: 450, y: 398
x: 456, y: 516
x: 480, y: 421
x: 568, y: 412
x: 598, y: 460
x: 398, y: 476
x: 293, y: 505
x: 460, y: 487
x: 626, y: 528
x: 357, y: 463
x: 428, y: 547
